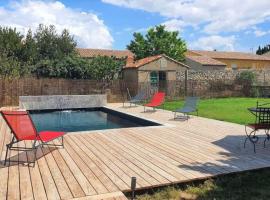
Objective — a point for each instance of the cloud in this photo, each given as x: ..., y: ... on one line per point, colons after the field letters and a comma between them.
x: 174, y: 25
x: 260, y: 33
x: 87, y: 28
x: 214, y: 42
x: 215, y: 16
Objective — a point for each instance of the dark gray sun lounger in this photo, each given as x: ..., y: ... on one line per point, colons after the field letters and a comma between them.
x: 190, y: 106
x: 138, y: 98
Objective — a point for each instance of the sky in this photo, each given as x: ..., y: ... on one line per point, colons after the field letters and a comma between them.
x: 224, y: 25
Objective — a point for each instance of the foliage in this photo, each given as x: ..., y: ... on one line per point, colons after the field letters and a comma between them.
x: 224, y: 109
x: 105, y: 68
x: 9, y: 67
x: 158, y: 41
x: 50, y: 45
x: 263, y: 50
x: 247, y: 79
x: 100, y: 68
x: 49, y: 54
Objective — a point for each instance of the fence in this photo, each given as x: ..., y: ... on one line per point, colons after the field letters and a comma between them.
x: 10, y: 90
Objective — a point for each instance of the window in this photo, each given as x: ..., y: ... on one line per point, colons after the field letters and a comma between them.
x: 154, y: 78
x: 234, y: 66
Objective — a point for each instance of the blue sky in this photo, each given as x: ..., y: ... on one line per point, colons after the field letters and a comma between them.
x: 214, y: 24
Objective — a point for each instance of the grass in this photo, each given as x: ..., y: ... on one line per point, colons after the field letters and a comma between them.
x: 247, y: 185
x: 224, y: 109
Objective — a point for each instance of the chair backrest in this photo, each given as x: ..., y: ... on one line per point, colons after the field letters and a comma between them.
x: 191, y: 102
x: 263, y: 115
x: 158, y: 98
x: 20, y: 124
x: 140, y: 96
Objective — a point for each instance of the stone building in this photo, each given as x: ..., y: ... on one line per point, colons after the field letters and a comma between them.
x: 216, y: 60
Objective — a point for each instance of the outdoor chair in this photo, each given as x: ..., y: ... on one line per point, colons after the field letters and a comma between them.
x: 157, y: 100
x: 23, y: 129
x: 262, y: 122
x: 190, y: 106
x: 138, y: 98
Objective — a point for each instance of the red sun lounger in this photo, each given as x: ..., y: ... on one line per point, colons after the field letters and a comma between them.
x: 157, y: 100
x: 23, y: 129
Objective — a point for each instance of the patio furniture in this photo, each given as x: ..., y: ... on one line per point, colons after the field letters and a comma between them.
x: 157, y: 100
x: 139, y: 98
x: 190, y: 106
x: 262, y: 122
x: 23, y: 129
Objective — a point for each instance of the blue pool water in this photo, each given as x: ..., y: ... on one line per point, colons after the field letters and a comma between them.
x: 84, y: 120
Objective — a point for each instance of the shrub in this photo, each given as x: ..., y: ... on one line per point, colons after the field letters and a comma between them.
x: 247, y: 79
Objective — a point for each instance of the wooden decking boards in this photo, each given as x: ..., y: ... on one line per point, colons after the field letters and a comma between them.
x: 99, y: 164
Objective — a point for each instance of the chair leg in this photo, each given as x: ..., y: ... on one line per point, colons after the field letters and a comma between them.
x: 267, y: 138
x: 62, y: 141
x: 6, y: 155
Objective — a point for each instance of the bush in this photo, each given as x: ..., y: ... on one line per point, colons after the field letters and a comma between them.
x: 247, y: 79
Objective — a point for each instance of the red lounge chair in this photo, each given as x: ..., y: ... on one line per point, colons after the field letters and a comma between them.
x: 157, y: 100
x: 22, y: 128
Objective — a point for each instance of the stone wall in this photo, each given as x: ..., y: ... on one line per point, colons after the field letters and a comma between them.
x: 228, y: 76
x: 221, y: 83
x: 61, y: 101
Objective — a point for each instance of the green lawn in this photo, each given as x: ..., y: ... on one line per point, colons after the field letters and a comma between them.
x: 225, y: 109
x: 247, y: 185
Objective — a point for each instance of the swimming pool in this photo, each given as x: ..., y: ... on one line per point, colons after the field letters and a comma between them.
x: 74, y: 120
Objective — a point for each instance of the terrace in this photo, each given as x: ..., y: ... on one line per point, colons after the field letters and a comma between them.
x: 100, y: 164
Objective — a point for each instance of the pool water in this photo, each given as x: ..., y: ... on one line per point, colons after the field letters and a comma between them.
x: 84, y: 120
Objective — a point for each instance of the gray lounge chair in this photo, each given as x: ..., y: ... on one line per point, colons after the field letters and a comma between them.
x: 190, y: 106
x: 139, y: 98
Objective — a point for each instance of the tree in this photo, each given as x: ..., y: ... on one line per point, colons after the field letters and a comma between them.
x: 10, y: 42
x: 105, y: 68
x: 263, y: 50
x: 9, y: 67
x: 50, y: 45
x: 158, y: 41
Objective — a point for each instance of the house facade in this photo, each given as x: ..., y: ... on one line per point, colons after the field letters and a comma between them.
x: 205, y: 60
x: 158, y: 71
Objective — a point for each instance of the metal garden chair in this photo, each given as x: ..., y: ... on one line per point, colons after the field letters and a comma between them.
x: 139, y: 98
x: 23, y: 129
x: 190, y: 106
x: 262, y: 122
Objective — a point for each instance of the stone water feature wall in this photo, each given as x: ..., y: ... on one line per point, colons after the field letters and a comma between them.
x: 62, y: 101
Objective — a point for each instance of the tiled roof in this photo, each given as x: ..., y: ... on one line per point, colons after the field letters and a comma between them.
x: 141, y: 62
x: 267, y: 54
x: 231, y: 55
x: 205, y: 60
x: 89, y: 53
x: 131, y: 64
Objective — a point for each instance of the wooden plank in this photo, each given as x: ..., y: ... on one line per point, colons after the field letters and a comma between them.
x: 25, y: 179
x: 57, y: 175
x: 93, y: 179
x: 143, y: 178
x: 82, y: 180
x: 4, y: 170
x: 67, y: 180
x: 13, y: 176
x: 114, y: 178
x: 161, y: 175
x: 47, y: 179
x: 107, y: 196
x: 109, y: 185
x: 37, y: 183
x: 116, y: 166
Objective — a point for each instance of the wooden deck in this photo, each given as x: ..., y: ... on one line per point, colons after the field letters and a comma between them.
x: 100, y: 164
